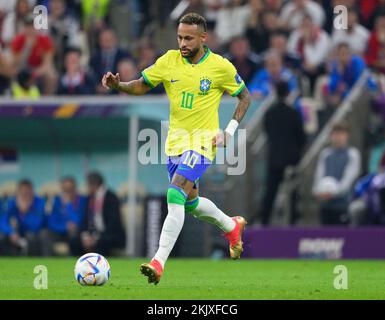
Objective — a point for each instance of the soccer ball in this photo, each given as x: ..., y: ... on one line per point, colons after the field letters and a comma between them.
x: 328, y: 185
x: 92, y: 269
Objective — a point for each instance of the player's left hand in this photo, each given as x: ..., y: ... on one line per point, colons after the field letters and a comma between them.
x: 221, y: 139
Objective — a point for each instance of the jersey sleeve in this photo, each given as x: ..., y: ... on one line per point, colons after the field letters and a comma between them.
x: 232, y: 81
x: 156, y: 73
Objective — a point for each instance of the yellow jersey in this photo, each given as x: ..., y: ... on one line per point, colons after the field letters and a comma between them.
x: 194, y: 91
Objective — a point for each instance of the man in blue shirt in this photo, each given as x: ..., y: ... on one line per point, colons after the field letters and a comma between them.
x: 23, y: 222
x: 67, y: 213
x: 346, y: 69
x: 265, y: 80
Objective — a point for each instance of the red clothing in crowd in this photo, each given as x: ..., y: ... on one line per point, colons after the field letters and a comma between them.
x: 367, y: 8
x: 43, y: 44
x: 375, y: 50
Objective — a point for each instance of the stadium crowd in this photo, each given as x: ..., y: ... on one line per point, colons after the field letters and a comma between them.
x: 70, y: 223
x: 268, y: 41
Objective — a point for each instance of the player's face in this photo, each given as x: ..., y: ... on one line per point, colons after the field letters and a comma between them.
x: 190, y: 39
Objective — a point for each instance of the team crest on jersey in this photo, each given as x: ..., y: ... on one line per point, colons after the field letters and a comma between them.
x: 204, y: 86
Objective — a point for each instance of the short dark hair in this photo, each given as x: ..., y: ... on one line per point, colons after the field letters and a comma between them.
x: 95, y: 178
x: 340, y: 127
x: 73, y: 49
x: 68, y: 179
x: 25, y: 183
x: 194, y: 18
x: 24, y: 77
x: 282, y: 88
x: 343, y: 44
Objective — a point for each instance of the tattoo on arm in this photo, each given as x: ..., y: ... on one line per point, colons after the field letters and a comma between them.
x: 135, y: 87
x: 243, y: 104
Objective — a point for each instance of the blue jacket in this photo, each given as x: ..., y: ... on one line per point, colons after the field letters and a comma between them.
x: 32, y: 221
x: 349, y: 76
x: 62, y: 213
x: 263, y: 82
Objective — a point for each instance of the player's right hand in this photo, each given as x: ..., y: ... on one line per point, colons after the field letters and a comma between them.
x: 111, y: 81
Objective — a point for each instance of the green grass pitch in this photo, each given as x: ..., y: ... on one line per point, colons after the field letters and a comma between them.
x: 195, y: 279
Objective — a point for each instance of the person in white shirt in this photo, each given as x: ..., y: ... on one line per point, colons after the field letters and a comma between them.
x: 231, y: 21
x: 356, y: 35
x: 311, y: 45
x: 294, y: 11
x: 13, y: 22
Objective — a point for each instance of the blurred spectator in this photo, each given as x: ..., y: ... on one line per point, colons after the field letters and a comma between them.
x: 293, y: 12
x: 370, y: 10
x: 286, y: 139
x: 107, y: 57
x: 278, y: 43
x: 312, y: 45
x: 211, y: 11
x: 102, y: 230
x: 94, y: 15
x: 212, y: 42
x: 34, y: 50
x: 337, y: 169
x: 356, y: 35
x: 146, y: 54
x: 7, y: 71
x: 63, y: 29
x: 231, y: 21
x: 245, y: 61
x: 274, y: 5
x: 346, y: 69
x: 24, y: 87
x: 127, y: 72
x: 10, y: 5
x: 255, y: 31
x: 197, y: 6
x: 259, y: 36
x: 23, y: 223
x: 67, y: 213
x: 14, y: 21
x: 264, y: 81
x: 75, y: 80
x: 368, y: 206
x: 375, y: 53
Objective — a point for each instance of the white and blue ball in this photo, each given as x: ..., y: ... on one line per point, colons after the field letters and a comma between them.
x: 92, y: 269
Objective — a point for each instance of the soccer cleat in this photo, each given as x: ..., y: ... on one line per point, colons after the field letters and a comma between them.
x: 152, y: 270
x: 235, y: 237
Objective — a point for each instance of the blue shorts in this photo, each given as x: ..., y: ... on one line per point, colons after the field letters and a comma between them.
x: 190, y: 164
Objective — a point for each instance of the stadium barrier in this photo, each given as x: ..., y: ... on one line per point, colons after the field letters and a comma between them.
x: 355, y: 111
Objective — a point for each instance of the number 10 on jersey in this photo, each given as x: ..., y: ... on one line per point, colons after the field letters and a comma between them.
x: 187, y: 100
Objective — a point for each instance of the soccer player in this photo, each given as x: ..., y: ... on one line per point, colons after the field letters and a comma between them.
x: 194, y: 79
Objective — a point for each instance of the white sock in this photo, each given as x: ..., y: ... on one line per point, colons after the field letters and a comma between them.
x: 170, y: 231
x: 208, y: 211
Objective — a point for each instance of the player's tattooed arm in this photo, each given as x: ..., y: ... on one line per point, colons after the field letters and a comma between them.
x: 221, y: 139
x: 243, y: 104
x: 135, y: 87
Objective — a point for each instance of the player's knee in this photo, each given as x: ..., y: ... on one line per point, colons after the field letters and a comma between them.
x: 191, y: 205
x: 176, y: 195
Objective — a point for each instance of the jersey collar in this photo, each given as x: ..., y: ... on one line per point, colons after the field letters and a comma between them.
x: 207, y: 49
